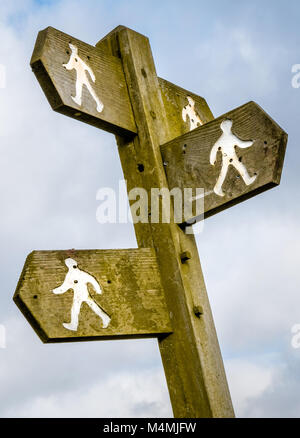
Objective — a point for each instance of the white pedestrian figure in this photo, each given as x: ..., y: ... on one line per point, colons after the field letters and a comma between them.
x: 78, y: 281
x: 82, y: 79
x: 226, y: 144
x: 190, y: 111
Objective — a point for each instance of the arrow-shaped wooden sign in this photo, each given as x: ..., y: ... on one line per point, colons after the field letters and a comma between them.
x: 95, y: 294
x: 83, y: 81
x: 233, y: 158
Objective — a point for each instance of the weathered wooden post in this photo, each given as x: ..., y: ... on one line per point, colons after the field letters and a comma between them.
x: 160, y: 286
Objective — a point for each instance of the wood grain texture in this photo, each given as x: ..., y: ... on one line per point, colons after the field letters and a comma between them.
x: 191, y: 355
x: 174, y: 99
x: 52, y: 51
x: 132, y: 295
x: 188, y: 158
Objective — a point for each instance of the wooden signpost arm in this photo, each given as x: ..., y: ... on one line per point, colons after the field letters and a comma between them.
x: 191, y: 354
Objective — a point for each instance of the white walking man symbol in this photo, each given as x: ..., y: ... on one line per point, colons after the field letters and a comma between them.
x: 226, y: 144
x: 82, y: 79
x: 190, y: 111
x: 78, y: 281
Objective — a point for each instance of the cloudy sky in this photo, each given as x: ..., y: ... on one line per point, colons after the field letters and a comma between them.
x: 51, y: 168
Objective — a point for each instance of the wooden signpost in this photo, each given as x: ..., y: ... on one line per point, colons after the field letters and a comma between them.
x: 157, y: 290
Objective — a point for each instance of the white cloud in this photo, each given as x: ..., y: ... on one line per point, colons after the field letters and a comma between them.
x: 120, y: 395
x: 236, y: 65
x: 265, y: 386
x: 255, y: 294
x: 247, y: 380
x: 121, y: 378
